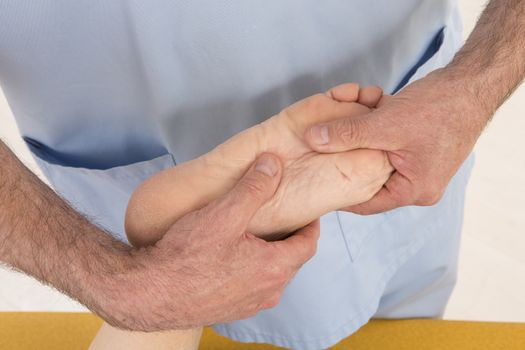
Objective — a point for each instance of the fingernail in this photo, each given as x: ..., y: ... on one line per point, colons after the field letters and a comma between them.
x: 266, y: 165
x: 320, y: 134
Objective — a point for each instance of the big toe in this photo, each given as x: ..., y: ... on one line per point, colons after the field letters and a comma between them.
x: 348, y: 92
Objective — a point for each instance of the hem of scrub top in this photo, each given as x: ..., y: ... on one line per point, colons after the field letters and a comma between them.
x: 360, y: 318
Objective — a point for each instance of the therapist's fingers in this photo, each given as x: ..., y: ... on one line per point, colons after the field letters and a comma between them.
x: 297, y: 249
x: 397, y: 192
x: 256, y: 187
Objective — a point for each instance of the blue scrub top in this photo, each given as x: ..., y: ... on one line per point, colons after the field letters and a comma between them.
x: 107, y: 93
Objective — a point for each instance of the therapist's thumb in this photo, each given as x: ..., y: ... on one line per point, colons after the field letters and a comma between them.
x: 341, y: 135
x: 256, y: 187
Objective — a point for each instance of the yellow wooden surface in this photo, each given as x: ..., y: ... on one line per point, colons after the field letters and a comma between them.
x: 71, y: 331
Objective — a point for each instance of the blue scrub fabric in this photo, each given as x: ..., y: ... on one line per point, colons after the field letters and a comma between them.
x: 107, y: 93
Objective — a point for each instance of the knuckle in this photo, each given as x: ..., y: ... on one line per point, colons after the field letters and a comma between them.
x: 273, y: 301
x: 307, y: 250
x: 311, y: 250
x: 277, y: 276
x: 430, y: 197
x: 343, y: 129
x: 282, y: 279
x: 402, y: 195
x: 256, y: 308
x: 347, y: 131
x: 251, y: 312
x: 254, y: 186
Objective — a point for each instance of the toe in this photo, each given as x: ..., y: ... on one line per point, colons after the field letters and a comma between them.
x: 348, y: 92
x: 370, y: 96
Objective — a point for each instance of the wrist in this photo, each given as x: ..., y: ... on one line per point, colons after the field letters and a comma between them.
x: 106, y: 285
x: 463, y: 89
x: 131, y: 294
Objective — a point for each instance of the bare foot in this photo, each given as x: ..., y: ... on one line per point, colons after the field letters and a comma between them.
x: 312, y: 185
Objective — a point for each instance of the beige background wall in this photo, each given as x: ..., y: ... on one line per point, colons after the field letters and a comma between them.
x: 491, y: 283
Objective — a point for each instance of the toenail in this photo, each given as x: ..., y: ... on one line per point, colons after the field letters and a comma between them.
x: 320, y: 134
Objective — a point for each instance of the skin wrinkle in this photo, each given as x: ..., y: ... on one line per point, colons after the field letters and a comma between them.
x: 166, y: 196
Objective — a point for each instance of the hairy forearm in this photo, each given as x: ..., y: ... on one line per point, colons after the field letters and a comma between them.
x: 491, y: 64
x: 43, y: 236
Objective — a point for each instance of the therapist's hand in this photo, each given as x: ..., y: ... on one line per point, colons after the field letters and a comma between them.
x: 206, y: 269
x: 428, y: 130
x: 430, y: 127
x: 216, y: 271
